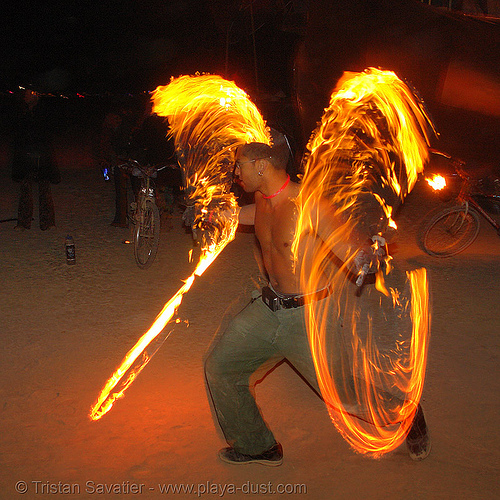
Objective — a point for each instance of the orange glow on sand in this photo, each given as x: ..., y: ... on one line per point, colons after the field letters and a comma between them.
x: 364, y: 158
x: 209, y: 118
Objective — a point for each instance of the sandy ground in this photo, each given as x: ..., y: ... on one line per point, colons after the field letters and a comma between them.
x: 66, y: 328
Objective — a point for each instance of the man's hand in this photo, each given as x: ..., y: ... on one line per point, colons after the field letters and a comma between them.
x: 369, y: 259
x: 215, y: 214
x: 189, y: 215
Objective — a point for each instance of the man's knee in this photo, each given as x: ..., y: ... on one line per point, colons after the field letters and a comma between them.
x: 211, y: 368
x: 231, y: 355
x: 217, y: 363
x: 239, y: 351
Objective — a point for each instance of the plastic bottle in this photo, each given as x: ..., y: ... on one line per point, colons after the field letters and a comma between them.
x: 70, y: 250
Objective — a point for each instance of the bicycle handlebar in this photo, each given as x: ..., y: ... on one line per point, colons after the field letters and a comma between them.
x: 146, y: 170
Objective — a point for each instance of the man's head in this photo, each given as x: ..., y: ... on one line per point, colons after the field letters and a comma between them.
x: 253, y: 159
x: 277, y: 154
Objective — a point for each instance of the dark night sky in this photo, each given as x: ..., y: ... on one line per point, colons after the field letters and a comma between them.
x: 126, y: 45
x: 89, y: 45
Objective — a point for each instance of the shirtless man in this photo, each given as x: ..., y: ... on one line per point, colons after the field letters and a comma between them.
x: 272, y: 327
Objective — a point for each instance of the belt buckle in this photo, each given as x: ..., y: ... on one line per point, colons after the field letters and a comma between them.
x: 270, y: 299
x: 291, y: 302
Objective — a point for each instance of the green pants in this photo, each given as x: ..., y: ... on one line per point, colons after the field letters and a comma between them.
x: 258, y: 338
x: 255, y: 341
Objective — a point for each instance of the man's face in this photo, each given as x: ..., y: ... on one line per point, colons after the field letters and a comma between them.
x: 246, y: 173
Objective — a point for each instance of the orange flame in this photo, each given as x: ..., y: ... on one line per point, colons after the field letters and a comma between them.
x: 363, y: 159
x: 436, y: 182
x: 129, y: 369
x: 208, y: 117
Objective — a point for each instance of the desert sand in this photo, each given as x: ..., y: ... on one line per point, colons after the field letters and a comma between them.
x: 64, y: 330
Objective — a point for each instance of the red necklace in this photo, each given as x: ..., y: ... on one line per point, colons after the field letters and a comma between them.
x: 279, y: 190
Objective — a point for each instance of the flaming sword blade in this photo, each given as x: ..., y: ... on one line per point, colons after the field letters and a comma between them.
x: 129, y: 369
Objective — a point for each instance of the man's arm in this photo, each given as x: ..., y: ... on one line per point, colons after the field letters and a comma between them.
x: 361, y: 252
x: 246, y: 215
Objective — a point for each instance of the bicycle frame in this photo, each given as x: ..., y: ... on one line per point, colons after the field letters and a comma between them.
x: 147, y: 191
x: 469, y: 200
x: 145, y: 214
x: 467, y: 193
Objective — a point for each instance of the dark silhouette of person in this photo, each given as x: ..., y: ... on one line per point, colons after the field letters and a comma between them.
x: 33, y: 161
x: 127, y: 134
x: 114, y: 146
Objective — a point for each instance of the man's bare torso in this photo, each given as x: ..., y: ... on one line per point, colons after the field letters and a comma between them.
x: 275, y: 224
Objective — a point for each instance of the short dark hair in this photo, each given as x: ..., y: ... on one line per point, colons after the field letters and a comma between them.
x: 278, y: 153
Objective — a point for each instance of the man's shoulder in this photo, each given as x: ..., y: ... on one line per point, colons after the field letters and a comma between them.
x: 294, y: 189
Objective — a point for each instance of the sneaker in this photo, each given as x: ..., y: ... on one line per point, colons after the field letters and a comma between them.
x: 418, y: 440
x: 272, y: 457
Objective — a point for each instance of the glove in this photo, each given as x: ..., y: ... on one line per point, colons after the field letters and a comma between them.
x: 215, y: 214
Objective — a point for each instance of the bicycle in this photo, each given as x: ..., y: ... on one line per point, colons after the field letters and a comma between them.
x: 144, y: 213
x: 452, y: 229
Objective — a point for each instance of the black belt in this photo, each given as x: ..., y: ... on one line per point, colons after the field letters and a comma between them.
x: 275, y: 302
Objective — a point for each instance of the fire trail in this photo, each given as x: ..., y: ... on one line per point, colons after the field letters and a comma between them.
x: 209, y: 118
x: 364, y: 158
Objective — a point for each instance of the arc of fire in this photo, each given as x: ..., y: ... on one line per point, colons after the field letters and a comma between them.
x: 208, y: 118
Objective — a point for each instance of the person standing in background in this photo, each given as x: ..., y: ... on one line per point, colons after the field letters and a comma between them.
x: 33, y: 162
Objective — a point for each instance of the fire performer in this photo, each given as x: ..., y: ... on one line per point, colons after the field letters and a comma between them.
x: 273, y: 326
x: 365, y: 352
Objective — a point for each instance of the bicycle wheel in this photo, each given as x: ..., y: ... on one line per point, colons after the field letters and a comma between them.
x: 146, y: 233
x: 450, y: 231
